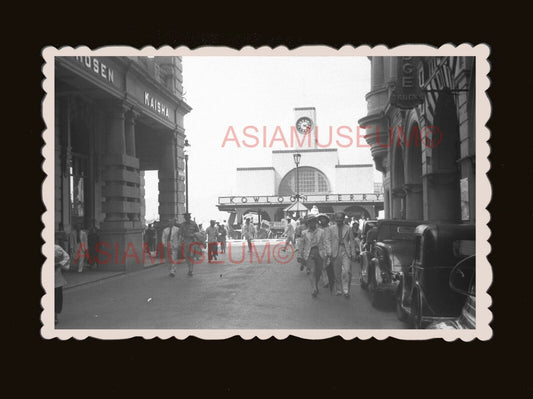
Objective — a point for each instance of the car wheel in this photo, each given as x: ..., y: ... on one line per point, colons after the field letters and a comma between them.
x: 400, y: 312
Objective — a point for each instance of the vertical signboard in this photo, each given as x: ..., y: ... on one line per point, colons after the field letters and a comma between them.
x: 407, y: 93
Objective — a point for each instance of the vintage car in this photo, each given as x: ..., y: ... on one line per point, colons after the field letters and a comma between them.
x: 366, y: 249
x: 462, y: 281
x: 424, y: 294
x: 391, y: 256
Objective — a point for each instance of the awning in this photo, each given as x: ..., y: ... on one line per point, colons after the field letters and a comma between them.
x: 296, y: 207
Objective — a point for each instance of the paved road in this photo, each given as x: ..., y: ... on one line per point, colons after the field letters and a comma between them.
x: 226, y: 296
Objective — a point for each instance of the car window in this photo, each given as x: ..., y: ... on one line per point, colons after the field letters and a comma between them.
x: 405, y: 229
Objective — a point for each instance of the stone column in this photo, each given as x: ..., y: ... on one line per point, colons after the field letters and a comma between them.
x: 398, y: 203
x: 130, y: 132
x: 121, y: 232
x: 168, y: 196
x: 180, y: 175
x: 414, y: 202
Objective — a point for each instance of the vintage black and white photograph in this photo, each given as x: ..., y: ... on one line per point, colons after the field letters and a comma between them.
x: 265, y: 192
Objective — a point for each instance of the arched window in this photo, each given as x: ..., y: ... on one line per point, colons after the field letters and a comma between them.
x: 311, y: 181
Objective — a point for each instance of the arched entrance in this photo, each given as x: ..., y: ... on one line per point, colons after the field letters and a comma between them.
x: 357, y: 211
x: 264, y: 214
x: 81, y: 175
x: 280, y: 214
x: 444, y: 200
x: 414, y: 209
x: 310, y: 181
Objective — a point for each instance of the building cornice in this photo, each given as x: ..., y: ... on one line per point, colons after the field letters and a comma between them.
x: 257, y: 168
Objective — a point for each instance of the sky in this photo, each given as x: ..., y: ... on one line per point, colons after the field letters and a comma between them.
x: 240, y: 91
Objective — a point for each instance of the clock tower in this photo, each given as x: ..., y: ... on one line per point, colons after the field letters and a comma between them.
x: 305, y: 124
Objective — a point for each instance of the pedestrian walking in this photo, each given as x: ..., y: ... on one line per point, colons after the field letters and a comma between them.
x: 356, y: 233
x: 248, y: 233
x: 93, y: 238
x: 201, y: 237
x: 222, y: 234
x: 212, y: 241
x: 298, y: 230
x: 341, y: 249
x: 314, y: 251
x: 78, y: 247
x: 289, y: 233
x: 328, y: 275
x: 149, y: 237
x: 170, y: 241
x: 62, y: 263
x: 187, y: 232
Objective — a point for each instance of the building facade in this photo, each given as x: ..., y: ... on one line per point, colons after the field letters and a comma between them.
x: 322, y: 182
x: 421, y: 129
x: 116, y: 117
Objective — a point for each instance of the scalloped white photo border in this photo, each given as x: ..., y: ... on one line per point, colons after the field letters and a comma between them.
x: 483, y: 330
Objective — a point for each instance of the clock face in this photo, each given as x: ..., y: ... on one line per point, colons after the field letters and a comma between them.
x: 304, y: 125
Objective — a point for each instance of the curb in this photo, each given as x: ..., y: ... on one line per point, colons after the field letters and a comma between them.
x: 118, y: 274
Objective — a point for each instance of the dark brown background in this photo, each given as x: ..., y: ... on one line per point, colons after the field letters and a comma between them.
x: 360, y: 368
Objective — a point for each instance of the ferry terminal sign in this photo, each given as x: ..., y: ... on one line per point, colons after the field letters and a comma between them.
x: 315, y: 198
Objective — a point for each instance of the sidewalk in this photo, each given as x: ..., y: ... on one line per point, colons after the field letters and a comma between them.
x: 88, y: 275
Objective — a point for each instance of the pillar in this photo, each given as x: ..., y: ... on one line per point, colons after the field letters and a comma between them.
x: 121, y: 231
x: 414, y: 202
x: 168, y: 196
x: 130, y: 132
x: 398, y: 203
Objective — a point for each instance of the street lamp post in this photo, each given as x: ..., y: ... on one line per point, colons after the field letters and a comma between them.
x: 186, y: 175
x: 297, y: 157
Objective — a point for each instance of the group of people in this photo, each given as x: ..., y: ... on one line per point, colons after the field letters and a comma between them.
x: 81, y: 246
x: 327, y: 251
x: 188, y: 241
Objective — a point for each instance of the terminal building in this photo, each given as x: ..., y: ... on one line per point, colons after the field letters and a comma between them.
x: 116, y: 117
x: 323, y: 183
x: 421, y: 129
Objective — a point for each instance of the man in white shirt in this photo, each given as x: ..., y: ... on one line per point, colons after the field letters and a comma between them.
x: 212, y: 243
x: 171, y: 243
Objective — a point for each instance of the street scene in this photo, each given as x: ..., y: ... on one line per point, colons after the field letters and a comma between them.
x: 282, y: 192
x: 247, y: 295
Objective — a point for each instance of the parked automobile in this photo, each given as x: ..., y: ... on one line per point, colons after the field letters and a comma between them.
x: 424, y: 294
x: 391, y: 255
x: 366, y: 249
x: 463, y: 281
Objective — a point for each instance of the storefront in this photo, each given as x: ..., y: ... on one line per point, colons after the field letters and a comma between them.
x: 421, y: 127
x: 116, y: 117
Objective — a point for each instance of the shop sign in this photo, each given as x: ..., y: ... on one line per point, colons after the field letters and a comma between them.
x: 97, y: 67
x: 156, y: 105
x: 310, y: 198
x: 407, y: 93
